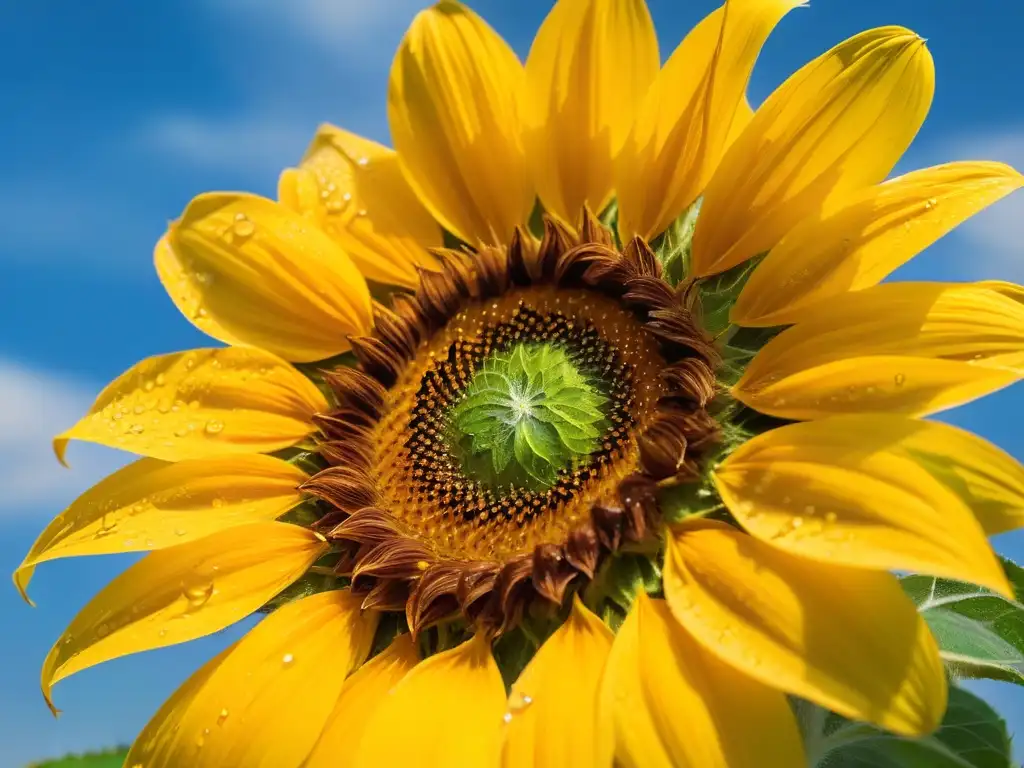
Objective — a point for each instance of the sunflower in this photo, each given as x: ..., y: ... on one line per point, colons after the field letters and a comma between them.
x: 576, y: 428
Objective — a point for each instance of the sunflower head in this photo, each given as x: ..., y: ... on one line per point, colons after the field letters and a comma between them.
x: 507, y: 426
x: 627, y: 482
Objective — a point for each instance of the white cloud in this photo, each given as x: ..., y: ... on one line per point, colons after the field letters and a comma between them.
x: 255, y: 144
x: 35, y: 405
x: 995, y: 236
x: 336, y: 24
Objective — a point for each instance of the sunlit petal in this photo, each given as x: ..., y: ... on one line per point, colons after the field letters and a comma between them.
x: 264, y: 704
x: 201, y: 403
x: 846, y: 638
x: 454, y: 116
x: 847, y: 491
x: 840, y: 123
x: 263, y: 275
x: 153, y: 504
x: 184, y: 592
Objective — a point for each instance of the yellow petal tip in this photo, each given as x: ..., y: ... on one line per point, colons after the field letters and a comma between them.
x: 21, y: 579
x: 60, y: 449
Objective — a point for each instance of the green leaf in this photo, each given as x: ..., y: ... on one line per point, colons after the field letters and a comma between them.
x: 672, y: 248
x: 719, y: 292
x: 980, y: 633
x: 111, y: 758
x: 972, y: 735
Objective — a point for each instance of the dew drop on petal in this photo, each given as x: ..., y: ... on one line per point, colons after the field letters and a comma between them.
x: 213, y: 427
x: 518, y: 701
x: 900, y: 379
x: 288, y: 659
x: 198, y: 595
x: 363, y: 161
x: 243, y: 227
x: 222, y: 717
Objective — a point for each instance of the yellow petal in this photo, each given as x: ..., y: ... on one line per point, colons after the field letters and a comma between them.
x: 184, y: 592
x: 264, y: 704
x: 588, y: 70
x: 846, y: 491
x: 354, y: 190
x: 848, y: 639
x: 552, y: 710
x: 684, y: 124
x: 454, y: 116
x: 446, y: 712
x: 861, y: 240
x: 839, y: 123
x: 248, y: 270
x: 201, y: 403
x: 359, y: 699
x: 912, y: 348
x: 153, y: 504
x: 672, y: 703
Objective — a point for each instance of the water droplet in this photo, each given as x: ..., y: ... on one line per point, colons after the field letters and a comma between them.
x: 287, y: 659
x: 363, y: 161
x: 200, y: 740
x: 180, y: 531
x: 361, y: 212
x: 218, y: 503
x: 160, y: 379
x: 136, y: 429
x: 162, y: 633
x: 103, y: 630
x: 108, y: 525
x: 222, y: 717
x: 148, y: 386
x: 347, y: 197
x: 900, y: 379
x: 213, y: 427
x: 517, y: 701
x: 830, y: 517
x: 243, y: 227
x: 198, y: 595
x: 180, y: 432
x: 796, y: 522
x: 930, y: 203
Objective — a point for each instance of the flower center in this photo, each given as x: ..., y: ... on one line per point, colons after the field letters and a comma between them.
x: 520, y: 414
x: 530, y: 413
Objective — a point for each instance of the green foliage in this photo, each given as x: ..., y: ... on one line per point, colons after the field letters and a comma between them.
x: 980, y: 633
x: 672, y: 247
x: 528, y: 413
x: 111, y: 758
x: 972, y: 735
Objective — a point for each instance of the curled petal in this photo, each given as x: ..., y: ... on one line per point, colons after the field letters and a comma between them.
x: 840, y: 123
x: 263, y: 703
x: 846, y: 638
x: 354, y: 190
x: 248, y: 270
x: 849, y: 490
x: 153, y: 504
x: 196, y: 404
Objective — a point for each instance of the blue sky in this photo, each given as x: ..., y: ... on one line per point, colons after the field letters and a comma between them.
x: 118, y: 112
